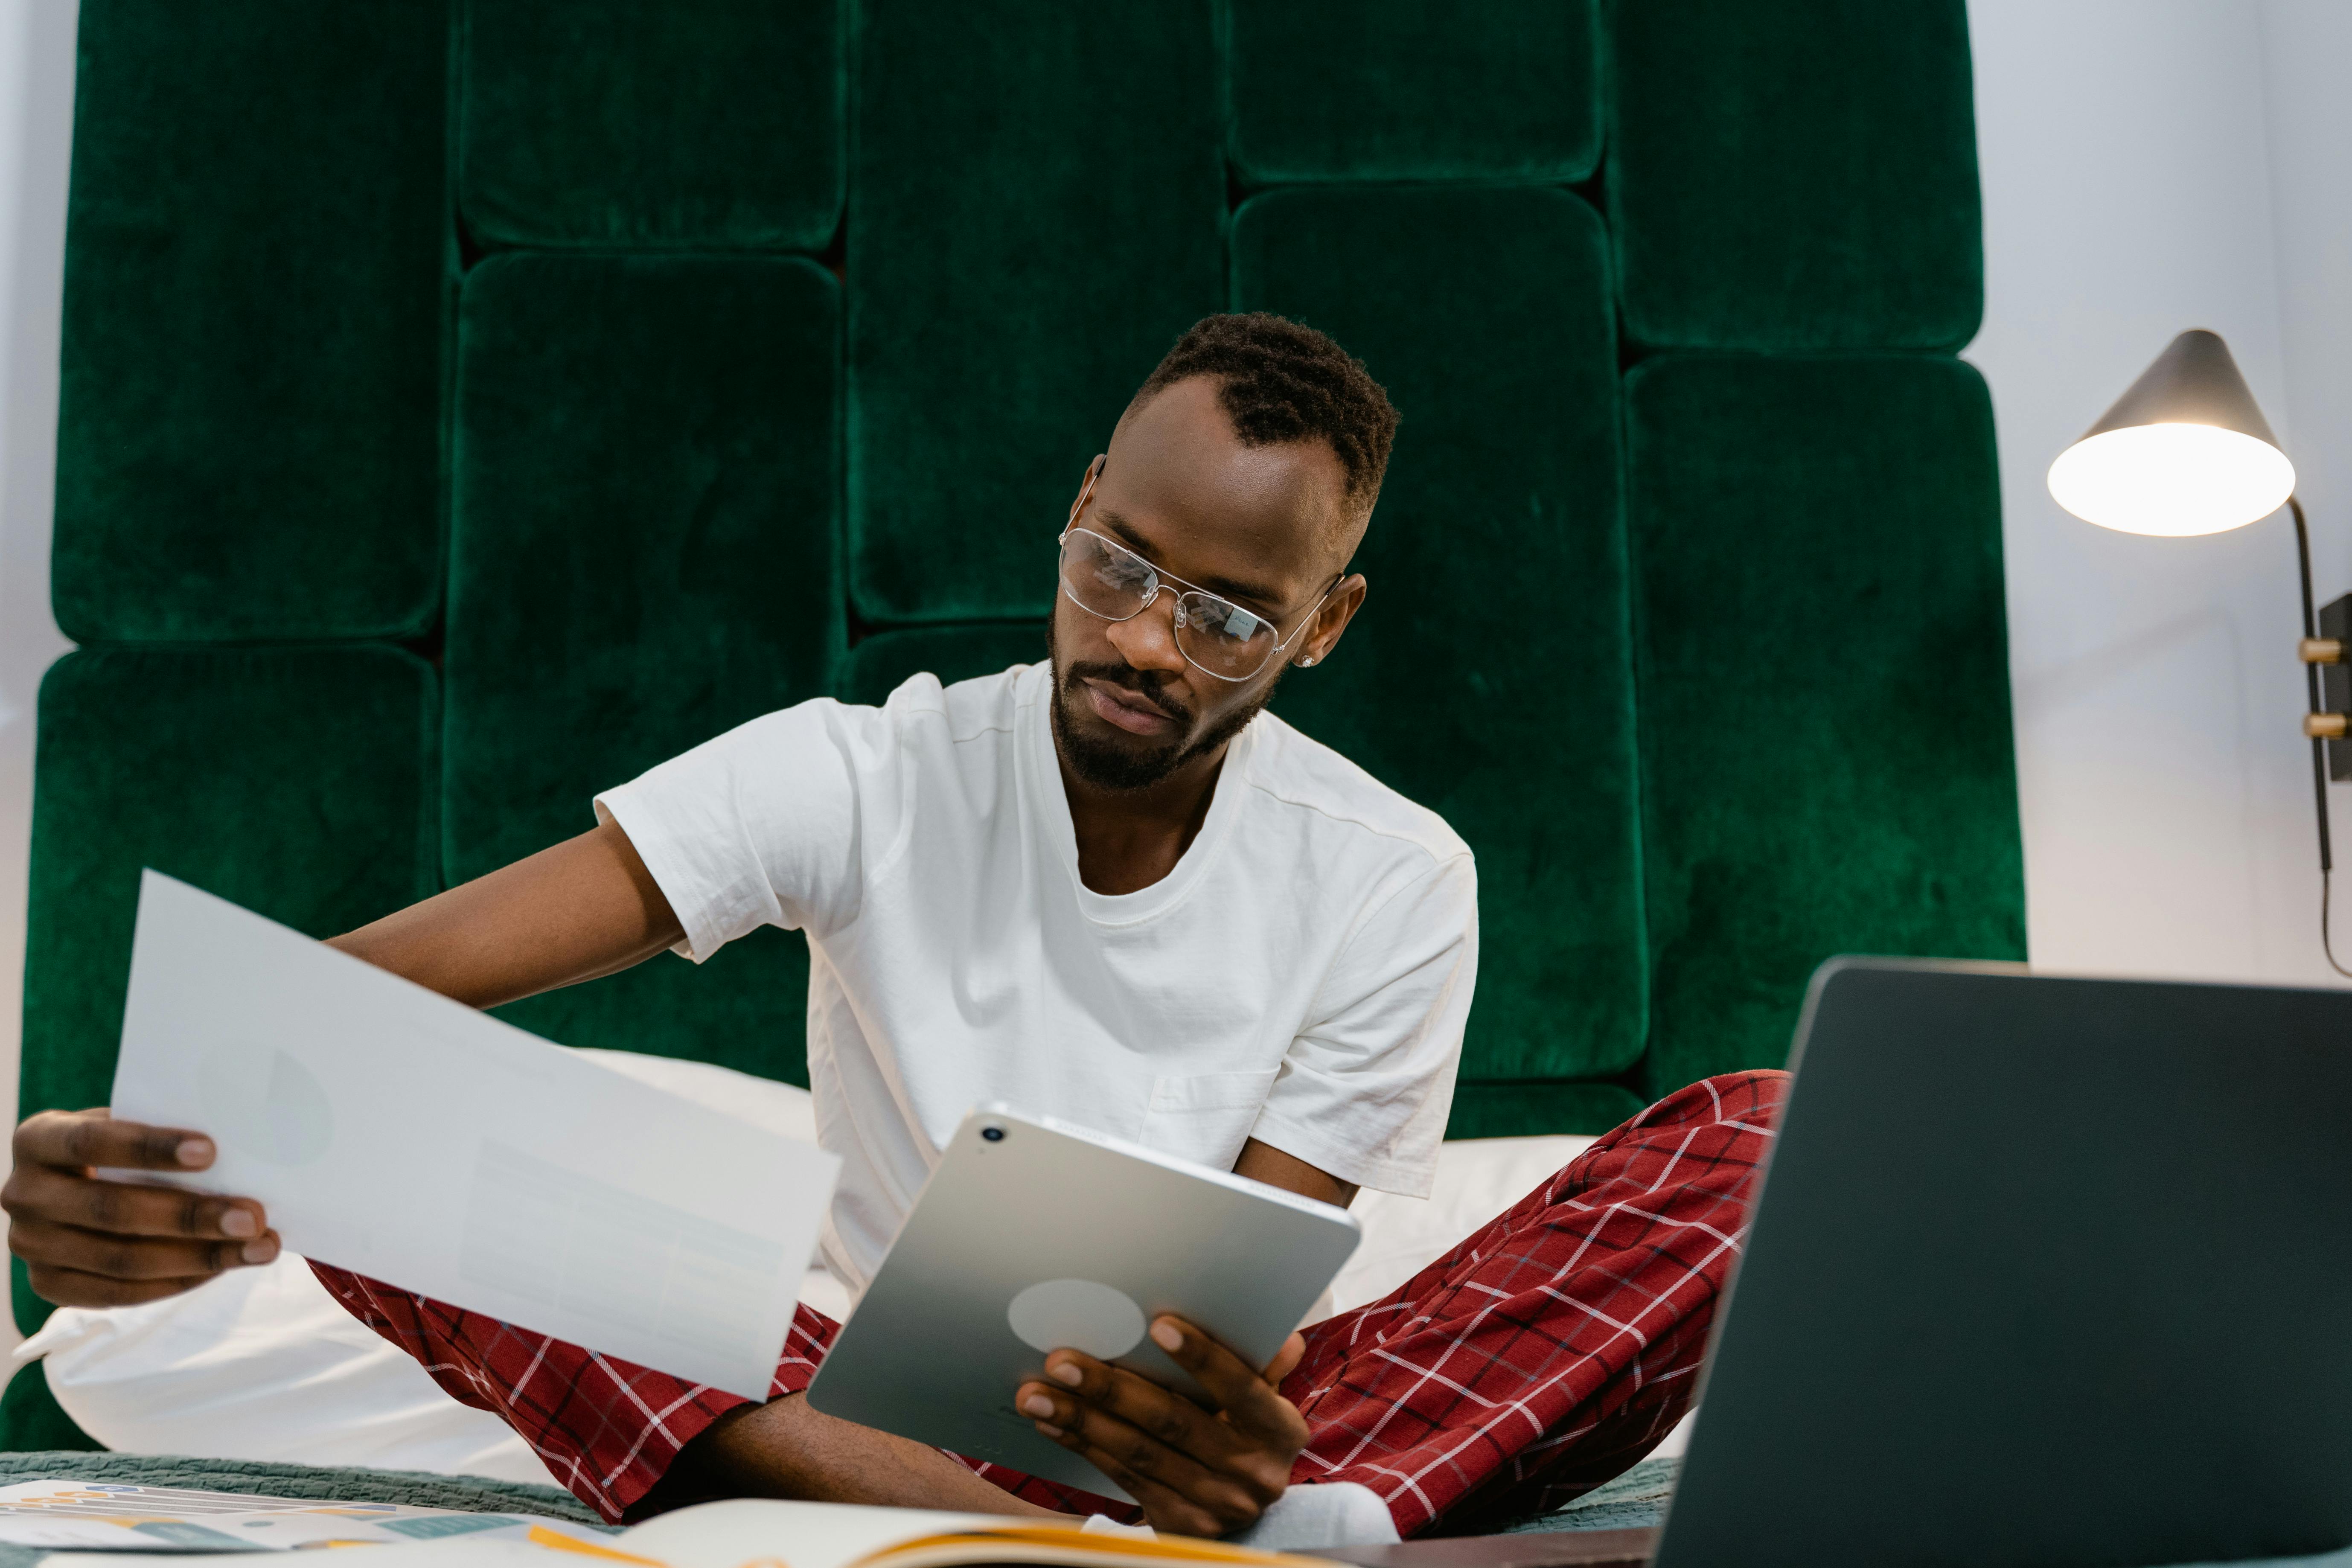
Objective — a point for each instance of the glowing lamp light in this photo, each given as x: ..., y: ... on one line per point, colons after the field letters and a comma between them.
x: 2171, y: 480
x: 2185, y: 451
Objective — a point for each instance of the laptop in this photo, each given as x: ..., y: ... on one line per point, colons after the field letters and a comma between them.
x: 2042, y: 1272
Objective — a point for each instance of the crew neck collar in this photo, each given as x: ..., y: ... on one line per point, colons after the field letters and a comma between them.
x: 1050, y: 804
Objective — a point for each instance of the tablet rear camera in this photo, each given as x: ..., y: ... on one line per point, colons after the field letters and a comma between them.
x: 993, y: 1135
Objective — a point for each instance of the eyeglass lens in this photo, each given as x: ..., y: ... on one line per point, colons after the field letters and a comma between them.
x: 1112, y: 582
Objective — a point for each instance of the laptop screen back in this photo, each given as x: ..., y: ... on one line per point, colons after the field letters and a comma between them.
x: 2044, y: 1271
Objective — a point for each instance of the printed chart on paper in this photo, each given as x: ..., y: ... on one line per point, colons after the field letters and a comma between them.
x: 105, y: 1515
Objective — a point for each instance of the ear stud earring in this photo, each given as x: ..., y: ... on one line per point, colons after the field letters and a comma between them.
x: 1308, y: 661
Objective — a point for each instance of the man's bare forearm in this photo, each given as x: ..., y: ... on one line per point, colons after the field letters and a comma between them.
x: 1278, y: 1168
x: 584, y: 908
x: 786, y: 1450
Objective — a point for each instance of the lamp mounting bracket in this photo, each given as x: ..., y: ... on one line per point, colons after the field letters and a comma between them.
x: 2334, y: 681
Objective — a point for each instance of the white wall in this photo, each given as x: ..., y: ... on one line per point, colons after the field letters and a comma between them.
x: 2151, y: 165
x: 37, y: 55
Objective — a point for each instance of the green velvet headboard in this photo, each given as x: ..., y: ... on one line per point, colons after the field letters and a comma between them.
x: 467, y: 405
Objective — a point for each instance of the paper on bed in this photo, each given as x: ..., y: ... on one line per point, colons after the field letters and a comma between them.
x: 399, y: 1134
x: 113, y: 1519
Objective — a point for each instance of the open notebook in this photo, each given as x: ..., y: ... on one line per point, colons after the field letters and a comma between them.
x: 745, y: 1532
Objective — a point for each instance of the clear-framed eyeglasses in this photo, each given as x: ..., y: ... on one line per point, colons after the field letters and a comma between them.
x: 1216, y: 637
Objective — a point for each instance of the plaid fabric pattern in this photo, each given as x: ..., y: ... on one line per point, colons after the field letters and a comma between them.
x: 1551, y: 1351
x: 1541, y: 1357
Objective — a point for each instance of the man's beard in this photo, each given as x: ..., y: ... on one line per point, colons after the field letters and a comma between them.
x: 1106, y: 764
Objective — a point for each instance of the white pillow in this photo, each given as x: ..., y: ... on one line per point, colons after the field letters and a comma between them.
x: 263, y: 1364
x: 1477, y: 1178
x: 762, y: 1102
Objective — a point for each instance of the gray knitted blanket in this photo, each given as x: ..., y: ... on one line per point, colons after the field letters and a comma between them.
x: 1636, y: 1498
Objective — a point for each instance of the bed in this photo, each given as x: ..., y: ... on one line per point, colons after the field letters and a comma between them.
x: 259, y: 1381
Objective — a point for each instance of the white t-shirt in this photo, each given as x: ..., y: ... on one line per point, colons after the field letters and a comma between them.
x: 1301, y: 977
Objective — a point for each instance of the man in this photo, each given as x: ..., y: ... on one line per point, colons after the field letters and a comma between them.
x: 1110, y: 889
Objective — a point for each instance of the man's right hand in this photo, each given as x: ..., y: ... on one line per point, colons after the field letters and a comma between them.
x: 92, y: 1243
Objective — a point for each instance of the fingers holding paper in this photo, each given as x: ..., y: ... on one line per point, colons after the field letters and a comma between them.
x: 89, y: 1242
x: 1194, y: 1471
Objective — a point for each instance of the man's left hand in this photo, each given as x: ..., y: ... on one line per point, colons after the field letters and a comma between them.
x: 1194, y: 1471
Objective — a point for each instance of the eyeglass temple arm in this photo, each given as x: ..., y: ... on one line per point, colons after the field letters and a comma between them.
x: 1311, y: 614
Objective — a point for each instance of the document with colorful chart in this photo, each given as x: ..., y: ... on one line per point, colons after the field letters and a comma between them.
x: 105, y: 1517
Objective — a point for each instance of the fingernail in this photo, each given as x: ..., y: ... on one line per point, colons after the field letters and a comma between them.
x: 260, y: 1251
x: 1064, y: 1371
x: 1048, y: 1428
x: 1037, y: 1404
x: 1167, y: 1335
x: 239, y: 1223
x: 194, y: 1152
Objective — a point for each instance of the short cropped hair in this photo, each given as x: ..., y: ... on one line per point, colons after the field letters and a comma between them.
x: 1280, y: 381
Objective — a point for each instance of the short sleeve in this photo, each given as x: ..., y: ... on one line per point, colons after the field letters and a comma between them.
x: 1364, y: 1090
x: 762, y: 826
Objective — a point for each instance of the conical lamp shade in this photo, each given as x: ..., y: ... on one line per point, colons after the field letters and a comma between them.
x: 2186, y: 450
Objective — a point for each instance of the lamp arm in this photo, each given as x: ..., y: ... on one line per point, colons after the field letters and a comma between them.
x: 2311, y: 683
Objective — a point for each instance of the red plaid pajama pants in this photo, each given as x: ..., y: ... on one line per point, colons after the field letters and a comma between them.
x: 1540, y: 1358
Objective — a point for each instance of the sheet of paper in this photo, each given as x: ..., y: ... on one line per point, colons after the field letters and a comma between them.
x: 109, y: 1516
x: 407, y: 1137
x: 484, y: 1551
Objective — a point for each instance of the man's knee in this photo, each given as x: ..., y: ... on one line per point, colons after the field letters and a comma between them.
x: 1750, y: 1098
x: 1705, y: 1142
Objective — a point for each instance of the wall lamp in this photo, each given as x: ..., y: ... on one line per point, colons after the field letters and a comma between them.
x: 2185, y: 451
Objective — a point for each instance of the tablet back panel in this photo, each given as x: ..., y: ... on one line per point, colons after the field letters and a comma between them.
x: 931, y: 1351
x: 2044, y: 1271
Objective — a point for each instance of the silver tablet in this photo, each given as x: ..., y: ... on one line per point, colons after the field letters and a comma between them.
x: 1034, y: 1235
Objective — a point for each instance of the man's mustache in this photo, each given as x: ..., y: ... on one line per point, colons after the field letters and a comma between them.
x: 1154, y: 685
